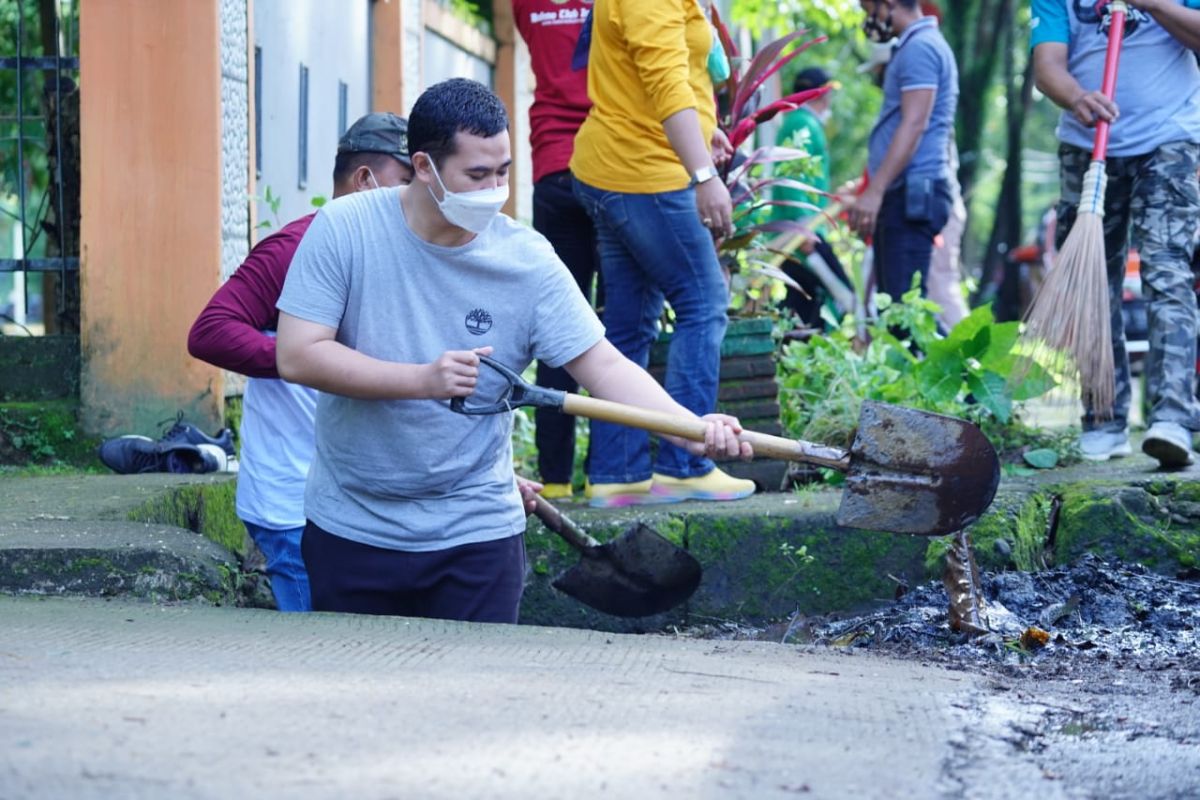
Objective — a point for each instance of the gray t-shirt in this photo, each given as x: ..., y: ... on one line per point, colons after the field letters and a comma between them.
x: 1158, y: 83
x: 921, y: 60
x: 411, y: 474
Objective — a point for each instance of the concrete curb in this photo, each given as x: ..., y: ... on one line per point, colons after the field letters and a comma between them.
x: 765, y: 558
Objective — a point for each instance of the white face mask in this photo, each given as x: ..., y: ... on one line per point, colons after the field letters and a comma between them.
x: 472, y: 211
x: 371, y: 175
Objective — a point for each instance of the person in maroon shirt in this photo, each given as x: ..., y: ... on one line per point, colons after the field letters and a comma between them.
x: 560, y: 105
x: 235, y: 331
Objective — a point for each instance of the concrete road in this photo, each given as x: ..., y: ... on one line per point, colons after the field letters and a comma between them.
x: 116, y: 699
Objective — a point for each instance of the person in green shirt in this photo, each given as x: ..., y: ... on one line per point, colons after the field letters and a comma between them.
x: 805, y: 127
x: 815, y: 267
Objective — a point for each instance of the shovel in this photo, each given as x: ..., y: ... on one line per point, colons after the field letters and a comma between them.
x: 907, y: 471
x: 636, y: 574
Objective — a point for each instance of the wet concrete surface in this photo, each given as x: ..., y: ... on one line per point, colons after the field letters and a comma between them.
x: 1109, y: 706
x: 119, y: 699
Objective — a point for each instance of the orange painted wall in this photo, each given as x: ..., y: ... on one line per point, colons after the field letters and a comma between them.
x: 151, y: 229
x: 387, y: 56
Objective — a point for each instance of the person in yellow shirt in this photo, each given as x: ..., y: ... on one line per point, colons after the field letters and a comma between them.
x: 644, y: 169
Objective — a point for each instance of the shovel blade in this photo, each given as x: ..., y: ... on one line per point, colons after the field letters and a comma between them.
x: 635, y: 575
x: 916, y: 472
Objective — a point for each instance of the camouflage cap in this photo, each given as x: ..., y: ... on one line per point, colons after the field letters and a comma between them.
x: 377, y: 132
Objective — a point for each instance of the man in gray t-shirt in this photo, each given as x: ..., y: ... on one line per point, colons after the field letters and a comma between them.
x: 1152, y: 200
x: 908, y: 197
x: 391, y: 298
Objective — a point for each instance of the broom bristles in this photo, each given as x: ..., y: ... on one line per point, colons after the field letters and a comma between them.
x: 1069, y: 319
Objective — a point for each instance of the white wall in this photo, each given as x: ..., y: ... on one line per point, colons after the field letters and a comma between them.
x: 519, y: 126
x: 441, y: 60
x: 333, y: 40
x: 235, y: 153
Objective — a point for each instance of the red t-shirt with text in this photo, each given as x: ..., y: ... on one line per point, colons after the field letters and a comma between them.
x: 560, y: 102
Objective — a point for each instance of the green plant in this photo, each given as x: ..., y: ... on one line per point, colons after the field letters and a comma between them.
x: 750, y: 252
x: 974, y: 372
x: 273, y: 203
x: 44, y: 437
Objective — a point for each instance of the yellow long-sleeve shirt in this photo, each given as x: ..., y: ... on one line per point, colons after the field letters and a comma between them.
x: 648, y: 60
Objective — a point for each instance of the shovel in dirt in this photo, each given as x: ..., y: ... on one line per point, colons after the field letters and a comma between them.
x: 907, y: 471
x: 636, y: 574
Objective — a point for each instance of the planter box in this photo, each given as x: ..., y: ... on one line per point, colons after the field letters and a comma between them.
x: 747, y: 390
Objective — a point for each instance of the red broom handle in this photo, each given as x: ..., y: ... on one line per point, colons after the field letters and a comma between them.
x: 1116, y: 34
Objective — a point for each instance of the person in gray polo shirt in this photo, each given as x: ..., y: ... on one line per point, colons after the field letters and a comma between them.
x: 1152, y: 201
x: 908, y: 198
x: 391, y: 298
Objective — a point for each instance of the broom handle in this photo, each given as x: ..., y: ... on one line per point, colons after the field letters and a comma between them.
x: 1116, y: 34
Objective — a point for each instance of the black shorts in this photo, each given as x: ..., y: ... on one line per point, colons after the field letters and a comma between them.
x: 479, y: 582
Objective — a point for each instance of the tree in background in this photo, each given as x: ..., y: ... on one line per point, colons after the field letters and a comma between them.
x: 1001, y: 118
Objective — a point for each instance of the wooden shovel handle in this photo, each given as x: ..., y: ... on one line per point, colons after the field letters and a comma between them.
x: 693, y: 429
x: 561, y: 524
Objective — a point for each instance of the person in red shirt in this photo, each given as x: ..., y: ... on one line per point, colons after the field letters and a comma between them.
x: 235, y: 331
x: 560, y: 105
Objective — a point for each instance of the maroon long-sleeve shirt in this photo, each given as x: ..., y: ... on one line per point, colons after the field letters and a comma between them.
x: 229, y: 331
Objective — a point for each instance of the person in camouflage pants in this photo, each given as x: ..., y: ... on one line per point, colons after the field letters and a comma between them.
x: 1152, y: 203
x: 1152, y: 199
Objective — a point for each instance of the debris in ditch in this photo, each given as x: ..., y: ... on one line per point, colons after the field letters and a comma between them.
x: 961, y: 579
x: 1092, y: 612
x: 1090, y: 609
x: 1034, y: 637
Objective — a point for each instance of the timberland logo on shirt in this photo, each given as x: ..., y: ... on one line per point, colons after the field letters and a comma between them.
x: 479, y: 321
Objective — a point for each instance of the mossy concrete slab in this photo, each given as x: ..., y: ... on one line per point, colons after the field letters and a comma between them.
x: 763, y: 558
x: 97, y: 558
x: 154, y: 536
x: 1123, y: 510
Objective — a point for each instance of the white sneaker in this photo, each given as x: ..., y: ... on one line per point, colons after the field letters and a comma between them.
x: 215, y: 459
x: 1103, y: 445
x: 1170, y: 443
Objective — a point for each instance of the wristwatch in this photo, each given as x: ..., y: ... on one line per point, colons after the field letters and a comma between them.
x: 701, y: 175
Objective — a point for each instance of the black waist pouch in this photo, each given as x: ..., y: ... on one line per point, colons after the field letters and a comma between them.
x: 918, y: 199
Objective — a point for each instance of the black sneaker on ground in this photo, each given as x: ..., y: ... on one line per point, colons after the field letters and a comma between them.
x: 131, y: 455
x: 188, y: 433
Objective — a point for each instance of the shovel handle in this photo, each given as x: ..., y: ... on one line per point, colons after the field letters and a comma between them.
x: 693, y: 429
x: 561, y: 524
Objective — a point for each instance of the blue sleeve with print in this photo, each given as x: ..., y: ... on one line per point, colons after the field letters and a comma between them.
x: 1049, y: 23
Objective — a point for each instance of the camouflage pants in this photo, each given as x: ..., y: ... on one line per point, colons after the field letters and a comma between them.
x: 1152, y: 202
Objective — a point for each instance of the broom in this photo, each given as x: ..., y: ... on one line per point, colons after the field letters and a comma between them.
x: 1070, y: 316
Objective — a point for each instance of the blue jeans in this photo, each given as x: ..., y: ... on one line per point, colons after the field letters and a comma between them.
x: 904, y: 235
x: 285, y: 566
x: 653, y: 246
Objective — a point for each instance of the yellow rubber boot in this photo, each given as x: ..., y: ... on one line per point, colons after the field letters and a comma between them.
x: 557, y: 491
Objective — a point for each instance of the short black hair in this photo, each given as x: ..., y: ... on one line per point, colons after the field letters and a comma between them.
x: 449, y: 107
x: 345, y: 164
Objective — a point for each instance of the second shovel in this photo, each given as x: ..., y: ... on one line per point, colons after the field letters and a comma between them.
x: 637, y: 574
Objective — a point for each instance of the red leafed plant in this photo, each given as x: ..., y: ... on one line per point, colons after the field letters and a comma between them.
x: 749, y: 248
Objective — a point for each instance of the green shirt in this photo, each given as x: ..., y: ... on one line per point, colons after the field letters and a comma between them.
x: 791, y: 131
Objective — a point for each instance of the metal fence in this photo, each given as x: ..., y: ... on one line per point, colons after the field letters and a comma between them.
x: 39, y: 150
